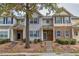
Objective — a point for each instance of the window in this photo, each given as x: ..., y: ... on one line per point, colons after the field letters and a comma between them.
x: 47, y: 21
x: 31, y: 33
x: 3, y: 34
x: 31, y: 21
x: 2, y: 21
x: 9, y: 20
x: 66, y: 33
x: 58, y: 20
x: 34, y: 21
x: 6, y: 20
x: 34, y: 33
x: 58, y: 33
x: 76, y: 33
x: 66, y: 20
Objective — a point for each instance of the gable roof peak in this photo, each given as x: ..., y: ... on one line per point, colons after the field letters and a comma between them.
x: 62, y: 12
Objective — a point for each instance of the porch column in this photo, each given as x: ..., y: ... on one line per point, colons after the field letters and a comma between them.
x: 12, y: 35
x: 54, y: 34
x: 42, y: 34
x: 72, y: 33
x: 24, y: 33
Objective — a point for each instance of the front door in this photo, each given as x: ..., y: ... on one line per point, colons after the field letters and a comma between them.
x: 19, y: 34
x: 48, y: 35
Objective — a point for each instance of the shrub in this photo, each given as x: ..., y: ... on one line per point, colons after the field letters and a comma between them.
x: 37, y: 40
x: 66, y: 41
x: 73, y: 41
x: 2, y: 41
x: 24, y: 40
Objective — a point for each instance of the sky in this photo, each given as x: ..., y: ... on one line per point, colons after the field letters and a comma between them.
x: 73, y: 8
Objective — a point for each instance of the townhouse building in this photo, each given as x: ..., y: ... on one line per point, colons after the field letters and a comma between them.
x: 61, y: 25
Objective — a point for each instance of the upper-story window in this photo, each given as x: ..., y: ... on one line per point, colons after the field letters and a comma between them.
x: 9, y: 20
x: 47, y: 21
x: 66, y: 20
x: 2, y: 21
x: 34, y: 21
x: 58, y: 20
x: 6, y: 20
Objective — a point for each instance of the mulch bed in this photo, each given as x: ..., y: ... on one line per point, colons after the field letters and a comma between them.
x: 19, y: 48
x: 66, y: 48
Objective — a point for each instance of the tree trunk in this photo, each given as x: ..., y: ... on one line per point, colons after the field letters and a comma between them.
x: 27, y: 44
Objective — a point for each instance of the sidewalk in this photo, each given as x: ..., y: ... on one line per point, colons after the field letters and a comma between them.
x: 39, y: 54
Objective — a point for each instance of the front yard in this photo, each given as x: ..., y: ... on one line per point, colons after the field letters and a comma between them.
x: 58, y: 48
x: 19, y: 48
x: 37, y: 48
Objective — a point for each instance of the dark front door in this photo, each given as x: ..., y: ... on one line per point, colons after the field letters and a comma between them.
x: 19, y: 34
x: 48, y: 35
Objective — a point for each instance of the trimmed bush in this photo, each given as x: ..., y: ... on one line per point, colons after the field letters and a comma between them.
x: 24, y: 40
x: 37, y: 40
x: 2, y: 41
x: 66, y: 41
x: 73, y: 42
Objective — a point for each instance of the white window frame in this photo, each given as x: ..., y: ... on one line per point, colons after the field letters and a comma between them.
x: 8, y: 30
